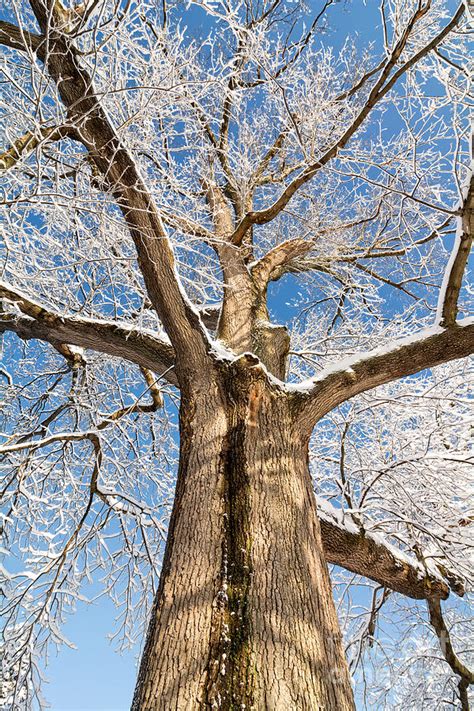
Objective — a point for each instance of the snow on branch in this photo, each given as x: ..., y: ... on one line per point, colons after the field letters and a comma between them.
x: 385, y: 82
x: 449, y: 295
x: 18, y: 38
x: 367, y: 554
x: 364, y: 371
x: 123, y: 179
x: 29, y: 319
x: 466, y: 676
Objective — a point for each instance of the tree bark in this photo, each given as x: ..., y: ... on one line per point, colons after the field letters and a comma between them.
x: 244, y: 615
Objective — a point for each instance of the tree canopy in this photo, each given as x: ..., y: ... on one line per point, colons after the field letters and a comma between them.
x: 172, y: 172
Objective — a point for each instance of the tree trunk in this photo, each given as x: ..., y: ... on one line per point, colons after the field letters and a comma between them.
x: 244, y: 616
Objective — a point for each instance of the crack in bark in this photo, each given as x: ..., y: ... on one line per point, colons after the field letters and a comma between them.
x: 230, y: 669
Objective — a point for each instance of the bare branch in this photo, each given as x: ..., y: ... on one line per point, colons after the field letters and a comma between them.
x: 46, y: 441
x: 442, y: 632
x: 119, y: 340
x: 348, y: 546
x: 297, y: 48
x: 448, y: 308
x: 364, y: 371
x: 155, y: 391
x: 366, y: 636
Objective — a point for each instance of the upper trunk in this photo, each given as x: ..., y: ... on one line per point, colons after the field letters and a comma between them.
x: 244, y: 616
x: 244, y: 322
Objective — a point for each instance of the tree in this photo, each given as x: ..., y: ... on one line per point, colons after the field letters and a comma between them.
x: 157, y: 184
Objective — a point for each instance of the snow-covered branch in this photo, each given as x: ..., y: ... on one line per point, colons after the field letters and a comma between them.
x: 382, y: 86
x: 370, y: 555
x: 448, y: 299
x: 364, y: 371
x: 95, y: 131
x: 29, y: 319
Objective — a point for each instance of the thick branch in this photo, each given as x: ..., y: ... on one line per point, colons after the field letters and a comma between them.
x: 28, y: 319
x: 363, y: 371
x: 155, y: 392
x: 442, y: 632
x: 363, y: 553
x: 274, y: 264
x: 448, y: 308
x: 16, y: 38
x: 154, y: 251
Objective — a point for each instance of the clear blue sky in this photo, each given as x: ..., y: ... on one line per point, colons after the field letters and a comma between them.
x: 92, y: 677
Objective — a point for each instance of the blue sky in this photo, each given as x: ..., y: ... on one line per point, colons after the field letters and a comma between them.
x: 92, y: 677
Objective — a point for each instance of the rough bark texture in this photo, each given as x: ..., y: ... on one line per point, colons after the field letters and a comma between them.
x: 244, y: 617
x: 357, y: 551
x: 175, y: 659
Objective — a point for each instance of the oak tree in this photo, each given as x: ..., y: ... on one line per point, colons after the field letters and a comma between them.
x: 171, y: 176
